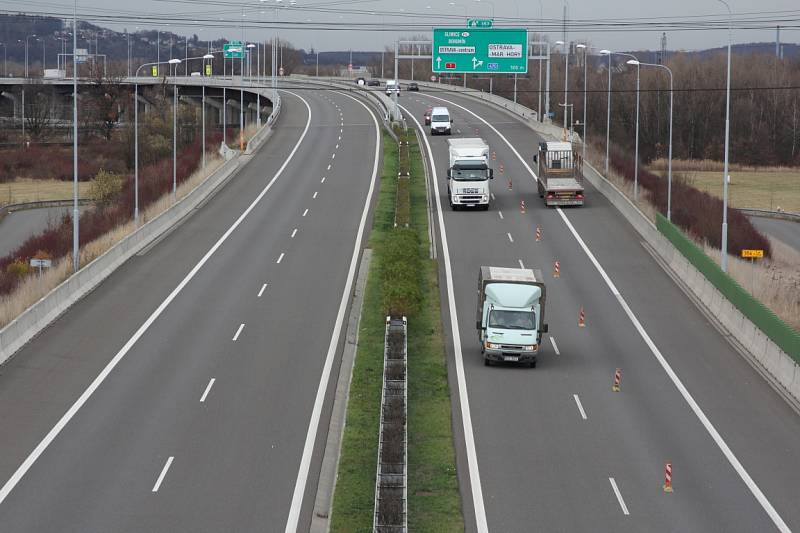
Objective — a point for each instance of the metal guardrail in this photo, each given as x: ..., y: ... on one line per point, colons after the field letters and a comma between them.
x: 41, y: 204
x: 766, y: 213
x: 391, y: 481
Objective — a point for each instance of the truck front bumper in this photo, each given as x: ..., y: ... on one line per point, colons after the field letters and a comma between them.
x: 471, y: 199
x: 510, y: 356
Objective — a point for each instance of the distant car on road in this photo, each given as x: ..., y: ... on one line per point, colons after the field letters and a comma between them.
x: 413, y: 86
x: 374, y: 83
x: 427, y: 116
x: 361, y: 81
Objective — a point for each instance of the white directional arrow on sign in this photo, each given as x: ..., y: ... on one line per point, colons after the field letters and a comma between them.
x: 438, y: 62
x: 476, y: 63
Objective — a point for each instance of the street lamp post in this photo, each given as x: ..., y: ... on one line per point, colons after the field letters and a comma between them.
x: 175, y: 62
x: 207, y: 56
x: 566, y: 78
x: 26, y: 53
x: 669, y: 160
x: 585, y: 85
x: 5, y: 70
x: 725, y: 177
x: 636, y: 154
x: 75, y: 213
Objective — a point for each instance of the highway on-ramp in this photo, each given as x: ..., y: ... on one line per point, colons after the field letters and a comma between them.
x: 186, y: 392
x: 555, y: 449
x: 786, y: 231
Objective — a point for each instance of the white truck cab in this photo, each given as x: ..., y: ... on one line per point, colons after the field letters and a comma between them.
x: 441, y: 122
x: 469, y: 173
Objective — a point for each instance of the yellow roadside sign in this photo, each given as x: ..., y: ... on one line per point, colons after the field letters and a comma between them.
x: 208, y: 70
x: 753, y: 253
x: 154, y: 70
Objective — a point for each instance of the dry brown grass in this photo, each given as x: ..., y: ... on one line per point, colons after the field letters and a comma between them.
x: 36, y: 287
x: 775, y: 282
x: 755, y: 189
x: 27, y: 190
x: 711, y: 165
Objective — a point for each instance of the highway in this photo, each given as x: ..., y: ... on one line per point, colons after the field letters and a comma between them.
x: 553, y: 448
x: 189, y: 390
x: 786, y: 231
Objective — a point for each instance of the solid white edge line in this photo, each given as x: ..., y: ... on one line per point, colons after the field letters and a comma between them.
x: 208, y: 389
x: 163, y: 473
x: 313, y: 424
x: 712, y: 431
x: 466, y: 416
x: 555, y: 346
x: 263, y: 288
x: 75, y: 407
x: 580, y: 406
x: 280, y: 258
x: 238, y: 332
x: 619, y: 496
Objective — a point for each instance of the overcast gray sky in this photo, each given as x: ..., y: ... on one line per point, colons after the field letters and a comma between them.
x: 427, y: 13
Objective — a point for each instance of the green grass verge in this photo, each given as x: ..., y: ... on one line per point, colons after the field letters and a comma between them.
x: 434, y: 499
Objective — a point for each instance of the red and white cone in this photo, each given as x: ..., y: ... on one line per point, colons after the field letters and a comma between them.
x: 556, y: 269
x: 510, y: 185
x: 522, y: 206
x: 581, y: 319
x: 538, y: 234
x: 617, y: 379
x: 668, y: 477
x: 502, y: 168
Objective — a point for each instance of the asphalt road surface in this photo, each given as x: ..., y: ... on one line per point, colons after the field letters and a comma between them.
x: 228, y: 330
x: 554, y: 448
x: 16, y: 227
x: 785, y: 231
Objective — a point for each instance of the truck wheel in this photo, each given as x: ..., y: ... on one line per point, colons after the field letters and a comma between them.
x: 532, y: 364
x: 487, y: 362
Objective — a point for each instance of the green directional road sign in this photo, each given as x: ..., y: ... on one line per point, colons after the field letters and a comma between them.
x: 233, y: 50
x: 479, y: 23
x: 480, y: 50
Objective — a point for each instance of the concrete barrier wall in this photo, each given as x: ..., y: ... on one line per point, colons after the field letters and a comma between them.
x: 26, y: 326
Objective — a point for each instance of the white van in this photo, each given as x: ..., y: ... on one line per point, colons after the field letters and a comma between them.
x: 440, y: 121
x: 392, y: 87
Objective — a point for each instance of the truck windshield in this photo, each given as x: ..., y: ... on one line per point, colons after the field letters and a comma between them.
x: 512, y: 319
x: 441, y: 118
x: 470, y: 173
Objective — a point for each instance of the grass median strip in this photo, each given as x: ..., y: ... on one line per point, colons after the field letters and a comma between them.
x: 433, y: 497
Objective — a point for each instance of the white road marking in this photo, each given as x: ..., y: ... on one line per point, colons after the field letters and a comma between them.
x: 322, y: 180
x: 337, y: 146
x: 341, y: 130
x: 263, y: 288
x: 492, y: 196
x: 619, y: 496
x: 238, y: 332
x: 555, y: 346
x: 466, y: 415
x: 315, y: 195
x: 329, y: 167
x: 20, y: 472
x: 580, y: 408
x: 294, y: 232
x: 280, y: 258
x: 333, y: 155
x: 521, y: 264
x: 500, y: 214
x: 163, y: 473
x: 340, y: 137
x: 305, y: 212
x: 712, y: 431
x: 208, y: 389
x: 510, y: 238
x: 313, y: 424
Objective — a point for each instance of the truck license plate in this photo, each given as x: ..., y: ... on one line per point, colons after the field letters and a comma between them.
x: 511, y: 358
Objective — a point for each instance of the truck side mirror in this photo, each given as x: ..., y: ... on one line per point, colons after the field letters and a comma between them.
x: 451, y: 121
x: 545, y: 328
x: 478, y: 325
x: 535, y: 157
x: 491, y: 173
x: 449, y: 173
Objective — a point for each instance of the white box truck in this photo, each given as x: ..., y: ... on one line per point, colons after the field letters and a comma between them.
x: 511, y: 304
x: 469, y: 173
